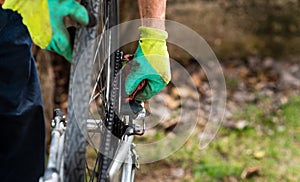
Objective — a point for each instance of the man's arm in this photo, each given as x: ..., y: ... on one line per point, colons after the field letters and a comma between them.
x: 2, y: 1
x: 155, y: 10
x: 50, y: 35
x: 151, y: 64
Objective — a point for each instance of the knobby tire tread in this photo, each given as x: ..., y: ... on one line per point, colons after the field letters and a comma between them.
x: 75, y: 142
x: 83, y: 54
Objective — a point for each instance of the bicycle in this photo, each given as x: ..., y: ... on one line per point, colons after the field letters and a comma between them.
x: 98, y: 115
x: 115, y: 126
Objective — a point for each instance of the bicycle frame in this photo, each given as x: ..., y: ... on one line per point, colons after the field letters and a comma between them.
x: 54, y: 169
x: 125, y: 159
x: 126, y: 154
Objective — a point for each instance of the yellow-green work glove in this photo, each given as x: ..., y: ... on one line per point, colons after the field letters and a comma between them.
x: 44, y: 20
x: 150, y: 63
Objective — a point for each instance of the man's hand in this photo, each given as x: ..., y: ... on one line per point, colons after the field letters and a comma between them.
x: 44, y: 20
x: 150, y: 63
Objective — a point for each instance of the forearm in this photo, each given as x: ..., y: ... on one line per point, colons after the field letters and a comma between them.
x: 2, y: 1
x: 153, y: 13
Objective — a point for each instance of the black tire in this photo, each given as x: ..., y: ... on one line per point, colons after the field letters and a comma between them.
x: 75, y: 167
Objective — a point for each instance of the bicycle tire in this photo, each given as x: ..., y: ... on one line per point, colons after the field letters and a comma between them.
x: 86, y: 40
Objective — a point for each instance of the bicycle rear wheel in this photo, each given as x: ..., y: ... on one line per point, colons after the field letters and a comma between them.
x: 91, y: 97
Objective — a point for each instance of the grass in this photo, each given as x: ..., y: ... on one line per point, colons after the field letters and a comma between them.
x: 271, y: 144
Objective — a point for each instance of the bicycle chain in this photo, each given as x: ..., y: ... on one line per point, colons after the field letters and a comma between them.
x: 112, y: 122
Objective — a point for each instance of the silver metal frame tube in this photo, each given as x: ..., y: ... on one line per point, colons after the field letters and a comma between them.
x: 121, y: 157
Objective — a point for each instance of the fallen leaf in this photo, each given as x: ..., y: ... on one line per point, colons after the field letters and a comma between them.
x: 169, y: 125
x: 240, y: 125
x: 244, y: 72
x: 171, y: 103
x: 250, y: 172
x: 259, y: 154
x: 177, y: 172
x: 184, y: 92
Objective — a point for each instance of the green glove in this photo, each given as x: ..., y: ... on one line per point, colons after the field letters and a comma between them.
x: 150, y: 63
x: 44, y: 20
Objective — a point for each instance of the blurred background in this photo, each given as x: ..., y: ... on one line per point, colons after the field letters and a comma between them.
x: 258, y: 45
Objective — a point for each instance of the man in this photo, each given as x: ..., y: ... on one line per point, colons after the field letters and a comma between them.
x: 22, y: 146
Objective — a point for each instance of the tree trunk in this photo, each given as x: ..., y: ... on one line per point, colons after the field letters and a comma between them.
x: 46, y: 75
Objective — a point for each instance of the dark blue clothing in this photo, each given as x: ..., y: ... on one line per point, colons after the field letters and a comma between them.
x: 22, y: 130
